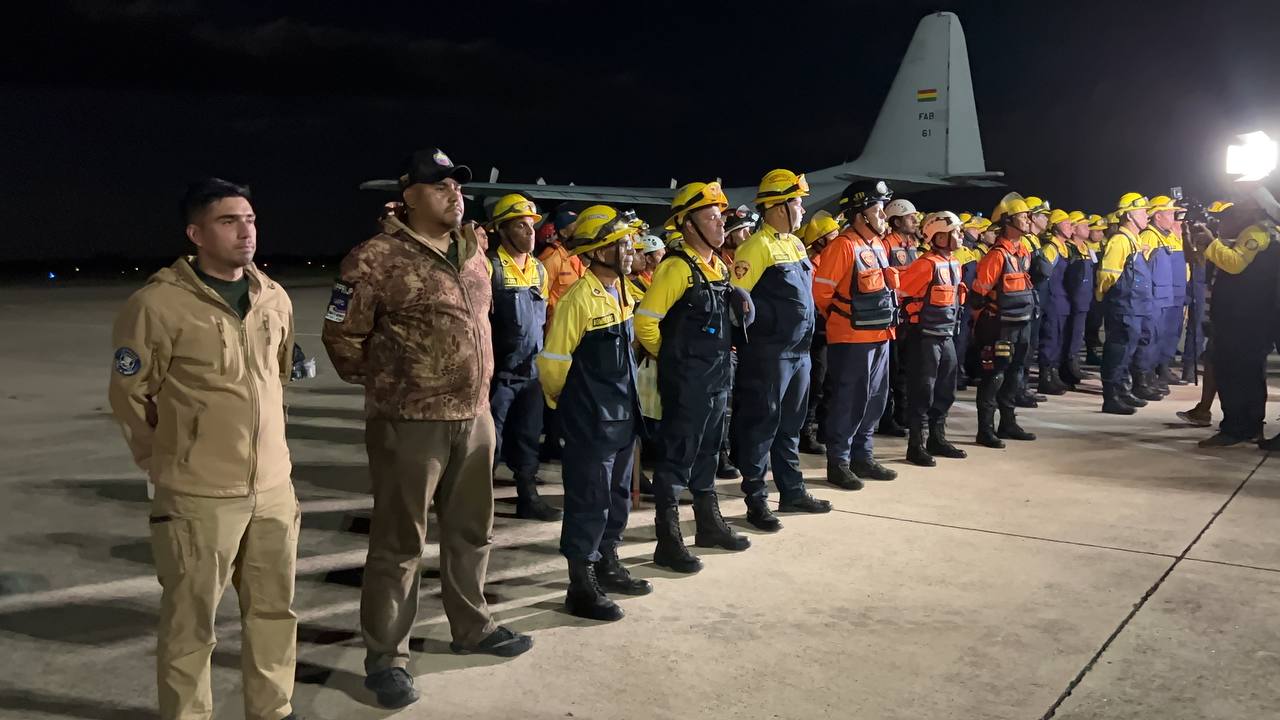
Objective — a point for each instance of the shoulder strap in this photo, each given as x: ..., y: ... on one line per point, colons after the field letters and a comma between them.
x: 497, y: 276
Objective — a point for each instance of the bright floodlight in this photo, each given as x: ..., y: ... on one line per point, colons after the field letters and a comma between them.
x: 1254, y: 158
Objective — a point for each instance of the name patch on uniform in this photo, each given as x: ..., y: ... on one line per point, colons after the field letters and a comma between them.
x: 604, y: 320
x: 781, y: 257
x: 127, y: 362
x: 339, y: 301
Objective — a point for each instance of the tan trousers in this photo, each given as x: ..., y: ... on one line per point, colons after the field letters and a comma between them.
x: 200, y: 544
x: 412, y: 462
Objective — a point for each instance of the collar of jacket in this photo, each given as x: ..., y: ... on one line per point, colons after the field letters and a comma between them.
x: 182, y: 273
x: 465, y: 236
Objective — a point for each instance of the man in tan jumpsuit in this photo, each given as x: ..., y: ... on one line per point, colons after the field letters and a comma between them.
x: 409, y: 320
x: 205, y: 345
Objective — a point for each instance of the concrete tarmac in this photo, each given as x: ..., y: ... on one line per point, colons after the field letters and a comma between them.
x: 1110, y: 569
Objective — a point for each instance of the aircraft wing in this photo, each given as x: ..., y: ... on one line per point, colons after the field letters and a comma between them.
x: 624, y: 196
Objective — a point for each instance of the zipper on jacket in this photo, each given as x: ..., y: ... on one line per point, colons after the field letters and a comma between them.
x: 253, y: 407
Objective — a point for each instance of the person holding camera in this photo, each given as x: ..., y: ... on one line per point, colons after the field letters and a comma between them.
x: 1244, y: 317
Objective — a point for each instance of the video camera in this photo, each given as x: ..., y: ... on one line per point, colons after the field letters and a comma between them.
x: 1194, y: 213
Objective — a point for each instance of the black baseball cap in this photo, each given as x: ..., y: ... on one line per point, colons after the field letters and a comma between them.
x: 432, y: 166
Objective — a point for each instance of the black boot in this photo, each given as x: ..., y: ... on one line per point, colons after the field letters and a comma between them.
x: 761, y: 516
x: 916, y: 453
x: 1024, y: 399
x: 614, y: 577
x: 725, y: 470
x: 987, y: 391
x: 805, y: 503
x: 1270, y: 444
x: 809, y: 441
x: 531, y: 506
x: 841, y: 475
x: 585, y: 598
x: 1077, y: 371
x: 1142, y: 388
x: 1009, y: 428
x: 671, y: 552
x: 938, y: 445
x: 712, y: 530
x: 869, y: 469
x: 1113, y: 402
x: 962, y: 380
x: 1093, y: 356
x: 1167, y: 377
x: 1049, y: 383
x: 889, y: 426
x: 1125, y: 390
x: 987, y: 429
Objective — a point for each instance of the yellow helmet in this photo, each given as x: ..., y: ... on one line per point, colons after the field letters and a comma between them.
x: 965, y: 218
x: 1077, y: 216
x: 1010, y: 204
x: 1037, y: 206
x: 1163, y: 202
x: 1113, y: 218
x: 779, y: 186
x: 974, y: 222
x: 820, y: 225
x: 510, y: 207
x: 673, y: 238
x: 598, y: 226
x: 1058, y: 215
x: 1097, y: 222
x: 1132, y: 201
x: 695, y: 196
x: 1218, y: 206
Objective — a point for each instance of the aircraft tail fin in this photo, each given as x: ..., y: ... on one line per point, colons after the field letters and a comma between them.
x: 928, y: 124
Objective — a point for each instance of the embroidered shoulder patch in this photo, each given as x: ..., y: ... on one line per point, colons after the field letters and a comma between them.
x: 339, y: 301
x: 127, y: 362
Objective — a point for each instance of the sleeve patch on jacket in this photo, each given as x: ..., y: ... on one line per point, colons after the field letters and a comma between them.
x: 127, y: 362
x: 339, y: 301
x: 604, y: 320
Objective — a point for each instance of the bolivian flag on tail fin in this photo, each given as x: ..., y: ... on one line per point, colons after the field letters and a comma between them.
x: 929, y: 95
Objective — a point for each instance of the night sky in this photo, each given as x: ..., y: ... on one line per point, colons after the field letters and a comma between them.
x: 107, y: 109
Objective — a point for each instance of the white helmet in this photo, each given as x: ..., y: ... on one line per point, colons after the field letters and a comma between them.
x: 899, y: 208
x: 940, y: 222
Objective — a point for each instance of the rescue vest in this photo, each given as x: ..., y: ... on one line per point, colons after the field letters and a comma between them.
x: 1015, y: 293
x: 873, y: 305
x: 904, y: 254
x: 1057, y: 285
x: 937, y: 312
x: 1078, y: 278
x: 519, y: 314
x: 696, y: 338
x: 1131, y: 295
x: 601, y: 385
x: 783, y: 299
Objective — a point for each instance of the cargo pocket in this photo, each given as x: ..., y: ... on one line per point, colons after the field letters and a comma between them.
x: 942, y: 295
x: 171, y: 546
x: 870, y: 281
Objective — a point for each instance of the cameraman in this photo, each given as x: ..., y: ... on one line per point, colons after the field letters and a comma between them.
x: 1243, y: 316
